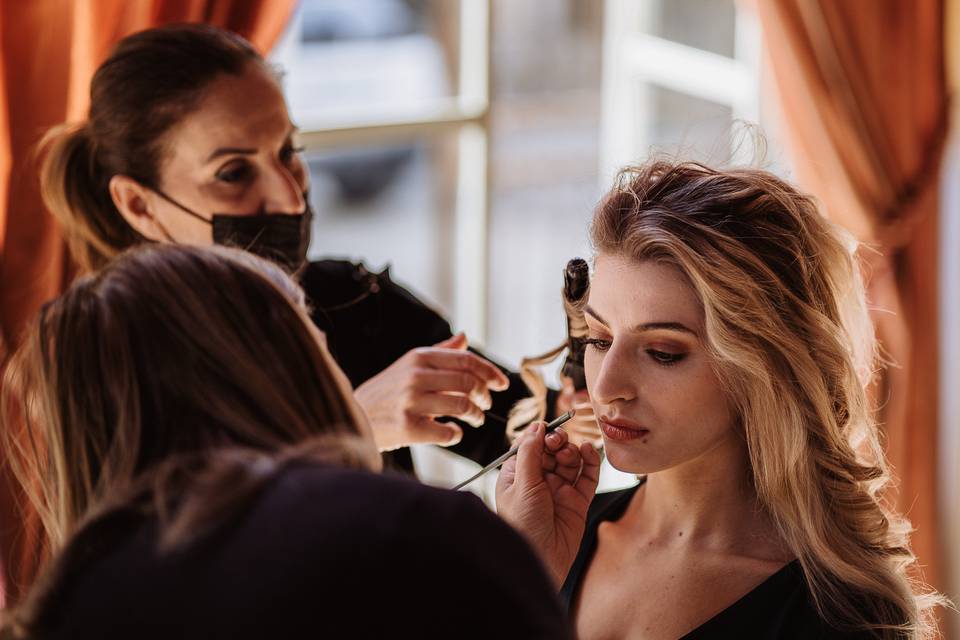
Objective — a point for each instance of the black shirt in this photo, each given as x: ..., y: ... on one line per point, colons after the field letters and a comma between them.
x: 370, y: 322
x: 779, y: 607
x: 322, y: 552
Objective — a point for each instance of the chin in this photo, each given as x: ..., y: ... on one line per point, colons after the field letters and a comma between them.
x: 639, y: 460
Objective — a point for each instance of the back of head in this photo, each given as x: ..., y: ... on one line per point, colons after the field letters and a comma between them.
x: 791, y: 341
x: 151, y: 80
x: 140, y: 375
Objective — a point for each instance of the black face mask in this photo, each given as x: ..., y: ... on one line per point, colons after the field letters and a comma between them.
x: 281, y: 238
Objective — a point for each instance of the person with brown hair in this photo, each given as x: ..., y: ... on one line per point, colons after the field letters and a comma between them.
x: 202, y: 470
x: 729, y: 351
x: 189, y: 141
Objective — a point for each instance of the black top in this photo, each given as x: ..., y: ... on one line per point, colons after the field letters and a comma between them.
x: 779, y: 607
x: 370, y: 322
x: 322, y: 552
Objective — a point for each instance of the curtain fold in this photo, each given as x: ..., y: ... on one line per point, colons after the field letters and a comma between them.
x: 49, y: 50
x: 863, y: 93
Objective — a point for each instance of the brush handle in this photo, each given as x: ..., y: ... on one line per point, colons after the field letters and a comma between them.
x: 513, y: 451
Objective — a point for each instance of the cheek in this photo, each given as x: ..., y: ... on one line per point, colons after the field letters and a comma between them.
x: 592, y: 361
x: 591, y: 365
x: 183, y: 228
x: 692, y: 397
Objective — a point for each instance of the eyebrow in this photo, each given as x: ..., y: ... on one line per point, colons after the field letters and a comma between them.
x: 243, y: 151
x: 647, y: 326
x: 228, y: 151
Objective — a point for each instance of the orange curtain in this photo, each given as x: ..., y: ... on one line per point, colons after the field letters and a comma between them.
x: 864, y: 99
x: 49, y: 50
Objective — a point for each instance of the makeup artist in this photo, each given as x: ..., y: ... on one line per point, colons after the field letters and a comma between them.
x: 189, y: 141
x: 233, y: 500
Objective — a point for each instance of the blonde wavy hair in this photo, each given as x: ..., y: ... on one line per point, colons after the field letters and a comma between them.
x: 787, y: 326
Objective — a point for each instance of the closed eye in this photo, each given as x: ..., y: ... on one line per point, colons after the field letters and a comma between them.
x: 234, y: 172
x: 665, y: 358
x: 596, y: 343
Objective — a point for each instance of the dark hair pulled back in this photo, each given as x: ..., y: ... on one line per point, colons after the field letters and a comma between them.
x: 149, y: 83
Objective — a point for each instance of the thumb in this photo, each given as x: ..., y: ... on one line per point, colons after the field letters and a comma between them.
x: 458, y: 341
x: 529, y: 457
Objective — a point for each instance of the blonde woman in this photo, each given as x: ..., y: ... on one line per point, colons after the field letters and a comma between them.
x: 728, y: 353
x: 203, y: 471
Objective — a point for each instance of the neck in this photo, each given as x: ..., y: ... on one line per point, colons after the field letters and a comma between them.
x: 709, y: 502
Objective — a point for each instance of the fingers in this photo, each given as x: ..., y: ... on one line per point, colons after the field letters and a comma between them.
x: 442, y: 404
x: 554, y: 444
x: 430, y: 431
x: 446, y: 381
x: 553, y: 458
x: 423, y: 431
x: 586, y: 484
x: 508, y: 471
x: 561, y: 457
x: 529, y: 461
x: 508, y: 475
x: 554, y: 441
x: 456, y: 359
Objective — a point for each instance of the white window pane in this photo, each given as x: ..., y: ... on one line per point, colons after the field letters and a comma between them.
x: 688, y: 127
x: 347, y: 60
x: 544, y: 177
x: 386, y: 206
x: 703, y: 24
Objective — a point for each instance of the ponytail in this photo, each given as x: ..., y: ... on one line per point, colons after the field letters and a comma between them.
x: 131, y: 112
x: 75, y: 188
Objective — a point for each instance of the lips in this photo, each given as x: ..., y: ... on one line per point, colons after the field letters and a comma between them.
x: 620, y: 429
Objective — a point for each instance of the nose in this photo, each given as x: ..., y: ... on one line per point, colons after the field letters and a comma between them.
x: 615, y: 381
x: 284, y: 191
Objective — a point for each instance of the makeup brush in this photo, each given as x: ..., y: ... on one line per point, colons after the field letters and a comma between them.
x: 513, y: 451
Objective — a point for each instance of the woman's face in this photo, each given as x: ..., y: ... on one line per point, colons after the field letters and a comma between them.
x: 657, y: 399
x: 234, y: 155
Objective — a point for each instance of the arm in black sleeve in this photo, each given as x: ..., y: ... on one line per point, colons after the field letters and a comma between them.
x: 484, y: 579
x: 401, y: 559
x: 371, y: 321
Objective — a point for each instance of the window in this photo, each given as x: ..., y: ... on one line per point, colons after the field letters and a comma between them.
x: 391, y: 100
x: 677, y: 74
x: 466, y: 142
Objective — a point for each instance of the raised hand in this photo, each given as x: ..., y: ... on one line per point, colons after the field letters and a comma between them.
x: 544, y: 492
x: 403, y: 401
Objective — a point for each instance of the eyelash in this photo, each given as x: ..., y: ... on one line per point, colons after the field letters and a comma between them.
x: 596, y: 343
x: 660, y: 357
x: 238, y: 173
x: 289, y: 151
